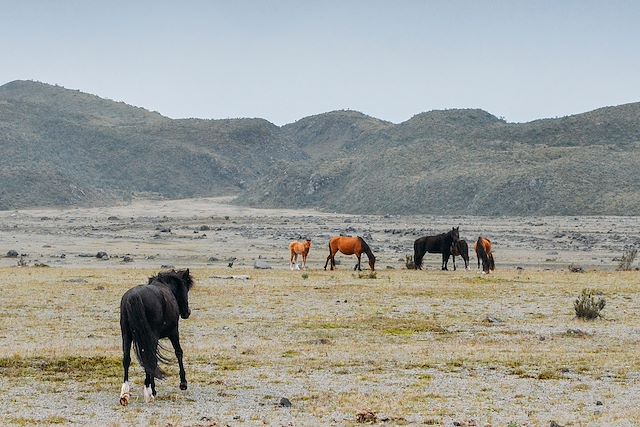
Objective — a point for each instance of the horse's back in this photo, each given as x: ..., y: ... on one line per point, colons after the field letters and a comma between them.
x: 156, y: 303
x: 345, y: 244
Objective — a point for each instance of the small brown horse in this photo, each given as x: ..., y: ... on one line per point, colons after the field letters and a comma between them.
x: 350, y: 246
x: 484, y: 254
x: 299, y: 248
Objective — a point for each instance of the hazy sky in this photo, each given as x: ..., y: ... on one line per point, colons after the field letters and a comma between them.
x: 283, y: 60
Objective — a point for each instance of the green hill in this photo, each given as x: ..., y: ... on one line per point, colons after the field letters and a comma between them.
x: 64, y: 147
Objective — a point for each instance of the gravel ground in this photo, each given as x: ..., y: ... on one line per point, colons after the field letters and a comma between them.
x: 426, y: 347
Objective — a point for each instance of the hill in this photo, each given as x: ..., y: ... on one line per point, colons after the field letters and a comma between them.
x: 64, y: 147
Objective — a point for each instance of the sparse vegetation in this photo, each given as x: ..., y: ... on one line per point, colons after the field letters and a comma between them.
x: 368, y: 275
x: 403, y: 341
x: 627, y: 259
x: 408, y: 262
x: 587, y: 307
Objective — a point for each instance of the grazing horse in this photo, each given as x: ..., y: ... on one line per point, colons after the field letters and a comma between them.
x: 350, y: 246
x: 440, y: 244
x: 150, y: 312
x: 460, y: 249
x: 484, y: 254
x: 299, y: 248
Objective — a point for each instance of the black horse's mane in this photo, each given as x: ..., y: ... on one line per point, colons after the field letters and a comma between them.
x: 173, y: 276
x: 366, y: 248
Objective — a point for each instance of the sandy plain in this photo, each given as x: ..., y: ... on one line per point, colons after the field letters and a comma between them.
x: 412, y: 347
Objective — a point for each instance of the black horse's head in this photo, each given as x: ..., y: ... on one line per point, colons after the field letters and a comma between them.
x: 455, y: 235
x: 180, y: 283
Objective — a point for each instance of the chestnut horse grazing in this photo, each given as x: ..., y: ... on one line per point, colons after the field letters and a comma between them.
x: 349, y: 246
x: 484, y: 254
x: 299, y: 248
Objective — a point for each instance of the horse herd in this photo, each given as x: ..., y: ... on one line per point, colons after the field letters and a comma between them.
x: 448, y: 244
x: 151, y: 312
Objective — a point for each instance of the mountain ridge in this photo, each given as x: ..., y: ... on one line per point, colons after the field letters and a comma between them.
x: 63, y: 147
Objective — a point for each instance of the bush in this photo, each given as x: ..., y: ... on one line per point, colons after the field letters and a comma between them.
x: 587, y: 307
x: 628, y: 256
x: 409, y: 262
x: 305, y: 275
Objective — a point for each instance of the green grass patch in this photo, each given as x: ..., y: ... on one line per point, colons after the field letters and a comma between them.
x: 71, y: 367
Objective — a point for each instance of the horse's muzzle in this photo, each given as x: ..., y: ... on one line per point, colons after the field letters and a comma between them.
x: 186, y: 315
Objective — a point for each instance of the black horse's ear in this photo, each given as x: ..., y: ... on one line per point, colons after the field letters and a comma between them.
x: 186, y: 273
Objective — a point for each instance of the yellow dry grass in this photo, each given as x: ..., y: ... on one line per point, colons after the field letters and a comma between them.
x: 413, y: 345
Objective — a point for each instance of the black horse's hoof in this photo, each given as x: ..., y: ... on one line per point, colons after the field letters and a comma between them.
x: 183, y: 386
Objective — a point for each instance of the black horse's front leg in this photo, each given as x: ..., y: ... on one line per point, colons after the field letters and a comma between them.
x: 175, y: 341
x: 445, y: 258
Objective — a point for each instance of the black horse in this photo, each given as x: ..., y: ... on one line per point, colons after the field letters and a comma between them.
x: 150, y: 312
x: 460, y: 249
x: 440, y: 244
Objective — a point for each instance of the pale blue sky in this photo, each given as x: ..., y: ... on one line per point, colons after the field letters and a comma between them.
x: 283, y: 60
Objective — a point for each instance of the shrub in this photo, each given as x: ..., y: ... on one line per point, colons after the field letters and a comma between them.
x: 628, y: 256
x: 368, y: 275
x: 409, y: 262
x: 587, y: 307
x: 305, y: 275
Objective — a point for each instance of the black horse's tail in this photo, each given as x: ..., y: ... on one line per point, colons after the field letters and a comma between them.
x: 492, y: 264
x: 145, y: 341
x: 418, y: 254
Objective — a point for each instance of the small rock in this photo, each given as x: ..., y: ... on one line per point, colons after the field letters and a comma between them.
x: 261, y: 265
x: 284, y: 403
x: 599, y: 403
x: 493, y: 320
x: 102, y: 255
x: 205, y: 228
x: 576, y: 333
x: 167, y: 266
x: 113, y: 218
x: 554, y: 424
x: 12, y: 254
x: 576, y: 268
x: 213, y: 259
x: 127, y: 258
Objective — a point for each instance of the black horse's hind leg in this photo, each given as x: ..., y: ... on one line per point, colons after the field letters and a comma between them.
x: 149, y: 387
x: 126, y: 354
x: 453, y: 257
x: 126, y: 362
x: 175, y: 341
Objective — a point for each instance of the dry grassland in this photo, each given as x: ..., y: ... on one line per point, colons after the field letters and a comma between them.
x: 414, y: 347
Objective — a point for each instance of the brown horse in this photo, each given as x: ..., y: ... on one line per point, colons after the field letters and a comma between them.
x: 299, y: 248
x: 460, y: 248
x: 349, y: 246
x: 484, y: 254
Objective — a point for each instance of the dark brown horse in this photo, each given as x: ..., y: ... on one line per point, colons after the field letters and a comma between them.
x: 349, y: 246
x: 460, y: 249
x: 440, y: 244
x: 484, y: 254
